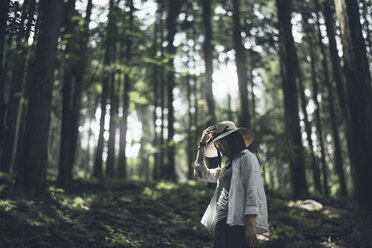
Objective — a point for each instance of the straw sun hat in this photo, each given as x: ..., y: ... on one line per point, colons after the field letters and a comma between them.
x: 222, y: 130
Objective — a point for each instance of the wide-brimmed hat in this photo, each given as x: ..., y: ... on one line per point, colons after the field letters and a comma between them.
x: 223, y: 129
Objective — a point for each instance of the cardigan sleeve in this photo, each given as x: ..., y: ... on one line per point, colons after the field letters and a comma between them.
x: 251, y: 184
x: 202, y: 172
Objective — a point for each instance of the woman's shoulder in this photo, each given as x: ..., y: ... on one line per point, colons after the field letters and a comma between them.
x: 245, y: 157
x: 245, y: 154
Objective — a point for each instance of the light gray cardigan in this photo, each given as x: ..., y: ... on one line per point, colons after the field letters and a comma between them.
x: 246, y: 194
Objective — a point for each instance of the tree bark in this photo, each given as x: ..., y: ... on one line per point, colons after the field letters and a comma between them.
x: 339, y: 79
x: 122, y: 167
x: 162, y: 94
x: 241, y: 66
x: 173, y: 9
x: 114, y: 111
x: 98, y: 163
x: 358, y: 83
x: 208, y: 59
x: 189, y: 143
x: 13, y: 113
x: 314, y: 162
x: 339, y: 163
x: 4, y: 9
x: 288, y: 70
x: 114, y: 114
x: 79, y: 81
x: 31, y: 176
x: 144, y: 117
x: 155, y: 79
x: 64, y: 168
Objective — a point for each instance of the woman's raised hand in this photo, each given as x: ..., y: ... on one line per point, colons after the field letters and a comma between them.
x: 207, y: 134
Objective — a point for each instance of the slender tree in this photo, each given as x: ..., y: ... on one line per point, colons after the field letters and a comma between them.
x: 319, y: 127
x: 114, y: 110
x: 338, y: 77
x: 4, y: 9
x: 32, y: 169
x: 144, y: 114
x: 79, y: 81
x: 72, y: 87
x: 14, y: 109
x: 156, y: 84
x: 241, y: 65
x: 114, y: 114
x: 208, y: 59
x: 358, y: 82
x: 161, y: 5
x: 97, y: 169
x: 122, y: 167
x: 288, y: 69
x: 65, y: 169
x: 173, y: 10
x: 190, y: 144
x: 308, y: 37
x: 336, y: 138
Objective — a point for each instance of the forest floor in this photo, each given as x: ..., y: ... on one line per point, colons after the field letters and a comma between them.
x: 158, y: 214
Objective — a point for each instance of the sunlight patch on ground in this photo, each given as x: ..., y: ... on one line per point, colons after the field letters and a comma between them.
x: 309, y: 205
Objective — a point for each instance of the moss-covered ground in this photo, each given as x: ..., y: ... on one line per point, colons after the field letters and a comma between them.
x: 157, y: 214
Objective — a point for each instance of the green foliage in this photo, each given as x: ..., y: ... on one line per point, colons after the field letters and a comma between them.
x: 119, y: 213
x: 7, y: 205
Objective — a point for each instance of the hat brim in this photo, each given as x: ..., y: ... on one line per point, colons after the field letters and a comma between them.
x: 247, y: 135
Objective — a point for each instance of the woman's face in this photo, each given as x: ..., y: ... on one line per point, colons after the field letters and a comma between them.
x: 223, y: 145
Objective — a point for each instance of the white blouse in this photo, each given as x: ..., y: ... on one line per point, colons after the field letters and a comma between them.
x: 246, y: 195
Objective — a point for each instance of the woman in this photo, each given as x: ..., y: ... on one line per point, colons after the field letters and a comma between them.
x: 237, y: 211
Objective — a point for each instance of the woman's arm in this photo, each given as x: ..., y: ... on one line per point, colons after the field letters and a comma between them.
x: 251, y: 172
x: 250, y: 231
x: 201, y: 170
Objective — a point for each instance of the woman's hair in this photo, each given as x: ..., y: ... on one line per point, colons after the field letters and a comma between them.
x: 236, y: 143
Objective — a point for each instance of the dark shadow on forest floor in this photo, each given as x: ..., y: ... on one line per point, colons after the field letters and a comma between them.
x: 157, y: 214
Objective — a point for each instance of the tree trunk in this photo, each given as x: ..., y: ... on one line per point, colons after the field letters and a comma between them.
x: 13, y: 113
x: 114, y: 113
x: 288, y: 70
x: 189, y: 143
x: 98, y: 170
x: 251, y: 77
x: 240, y: 60
x: 144, y: 117
x: 162, y: 91
x: 173, y: 8
x: 79, y: 80
x: 339, y: 79
x: 317, y: 117
x: 26, y: 89
x: 9, y: 53
x: 64, y: 168
x: 208, y: 59
x: 314, y: 165
x: 31, y: 176
x: 127, y: 88
x: 358, y: 82
x: 314, y: 162
x: 336, y: 139
x: 156, y: 90
x: 320, y: 135
x: 4, y: 9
